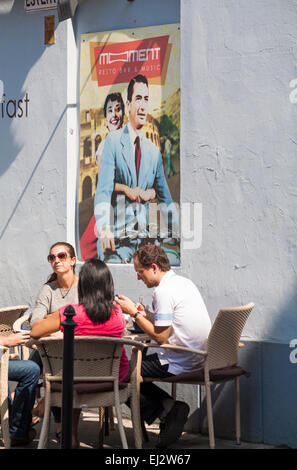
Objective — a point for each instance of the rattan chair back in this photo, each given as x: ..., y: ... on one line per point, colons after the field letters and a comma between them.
x: 8, y: 316
x: 224, y: 337
x: 93, y: 356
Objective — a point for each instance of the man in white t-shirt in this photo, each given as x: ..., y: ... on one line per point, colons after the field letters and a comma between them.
x: 180, y: 318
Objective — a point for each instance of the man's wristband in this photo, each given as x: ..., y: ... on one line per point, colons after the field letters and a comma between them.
x: 135, y: 315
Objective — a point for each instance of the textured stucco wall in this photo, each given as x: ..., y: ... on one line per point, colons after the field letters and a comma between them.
x: 239, y: 156
x: 239, y: 160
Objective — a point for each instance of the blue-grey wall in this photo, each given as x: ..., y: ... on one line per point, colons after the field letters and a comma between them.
x: 238, y: 158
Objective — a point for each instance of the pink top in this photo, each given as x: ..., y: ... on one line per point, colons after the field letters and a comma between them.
x: 112, y: 327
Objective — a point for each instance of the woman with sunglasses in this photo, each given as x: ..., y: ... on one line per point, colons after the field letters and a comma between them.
x: 95, y: 315
x: 59, y: 290
x: 61, y: 286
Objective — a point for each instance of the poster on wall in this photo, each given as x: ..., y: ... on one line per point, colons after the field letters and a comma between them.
x: 129, y: 173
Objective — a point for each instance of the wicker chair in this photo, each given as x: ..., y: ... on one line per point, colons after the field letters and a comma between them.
x: 96, y: 367
x: 8, y: 316
x: 105, y: 414
x: 4, y: 418
x: 220, y: 361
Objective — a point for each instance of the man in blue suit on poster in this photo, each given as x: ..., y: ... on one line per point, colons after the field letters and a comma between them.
x: 134, y: 163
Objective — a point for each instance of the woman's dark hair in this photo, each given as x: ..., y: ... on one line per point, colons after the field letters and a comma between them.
x: 96, y: 290
x: 71, y: 251
x: 114, y: 97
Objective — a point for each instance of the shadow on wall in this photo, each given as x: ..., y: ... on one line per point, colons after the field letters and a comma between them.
x: 21, y: 47
x: 19, y: 51
x: 279, y: 371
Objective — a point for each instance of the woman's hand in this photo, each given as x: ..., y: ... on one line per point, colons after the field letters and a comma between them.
x: 47, y: 326
x: 15, y: 339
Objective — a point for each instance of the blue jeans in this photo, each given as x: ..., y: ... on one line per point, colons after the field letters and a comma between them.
x: 26, y: 373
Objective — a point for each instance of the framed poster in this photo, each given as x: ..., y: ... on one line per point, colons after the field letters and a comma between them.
x: 129, y: 181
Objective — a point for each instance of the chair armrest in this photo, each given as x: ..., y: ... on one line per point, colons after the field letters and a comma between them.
x: 4, y: 364
x: 176, y: 348
x: 4, y: 361
x: 59, y: 378
x: 7, y: 351
x: 32, y: 342
x: 137, y: 337
x: 18, y: 323
x: 132, y: 342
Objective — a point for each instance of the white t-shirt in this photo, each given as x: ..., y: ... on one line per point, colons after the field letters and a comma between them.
x: 178, y: 302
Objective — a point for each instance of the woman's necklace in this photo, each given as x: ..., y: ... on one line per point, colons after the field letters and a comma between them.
x: 63, y: 295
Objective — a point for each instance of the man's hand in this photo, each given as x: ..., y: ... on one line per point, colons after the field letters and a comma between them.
x: 15, y: 339
x: 140, y: 308
x: 140, y: 195
x: 133, y: 193
x: 160, y: 334
x: 107, y: 239
x: 136, y: 194
x: 130, y: 193
x: 127, y: 305
x: 147, y: 195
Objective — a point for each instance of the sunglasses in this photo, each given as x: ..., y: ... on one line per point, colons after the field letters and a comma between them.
x: 61, y: 256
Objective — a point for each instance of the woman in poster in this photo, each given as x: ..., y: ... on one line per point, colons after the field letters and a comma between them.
x: 114, y: 112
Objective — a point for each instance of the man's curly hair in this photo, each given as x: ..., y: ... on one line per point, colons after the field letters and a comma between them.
x: 149, y: 254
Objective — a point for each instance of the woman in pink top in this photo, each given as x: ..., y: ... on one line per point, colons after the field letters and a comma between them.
x: 95, y: 315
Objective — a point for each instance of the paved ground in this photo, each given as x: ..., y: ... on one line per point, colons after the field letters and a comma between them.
x: 88, y: 433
